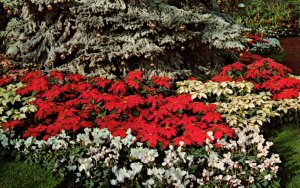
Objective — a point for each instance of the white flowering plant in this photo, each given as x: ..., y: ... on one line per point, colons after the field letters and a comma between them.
x: 97, y: 158
x: 12, y: 105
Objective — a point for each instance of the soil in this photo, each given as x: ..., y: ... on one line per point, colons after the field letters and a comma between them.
x: 292, y: 58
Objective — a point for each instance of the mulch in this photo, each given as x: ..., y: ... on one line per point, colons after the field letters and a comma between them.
x: 292, y: 58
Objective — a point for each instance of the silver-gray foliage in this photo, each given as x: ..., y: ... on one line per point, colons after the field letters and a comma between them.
x: 117, y: 35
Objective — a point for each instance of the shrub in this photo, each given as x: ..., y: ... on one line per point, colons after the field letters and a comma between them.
x: 117, y: 36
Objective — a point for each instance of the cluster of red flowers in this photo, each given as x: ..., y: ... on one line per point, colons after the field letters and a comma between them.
x: 266, y: 75
x: 8, y: 72
x: 5, y: 80
x: 248, y: 57
x: 255, y: 39
x: 149, y: 108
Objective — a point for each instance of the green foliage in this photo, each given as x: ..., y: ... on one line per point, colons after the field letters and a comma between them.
x: 287, y: 142
x: 16, y: 174
x: 115, y: 36
x: 272, y: 19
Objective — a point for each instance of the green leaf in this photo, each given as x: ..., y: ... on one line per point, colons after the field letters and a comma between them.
x: 32, y: 108
x: 135, y: 114
x: 102, y: 114
x: 257, y: 80
x: 18, y: 98
x: 22, y: 116
x: 179, y: 111
x: 9, y: 112
x: 92, y: 101
x: 24, y: 109
x: 238, y: 73
x: 265, y: 183
x: 275, y: 72
x: 33, y: 93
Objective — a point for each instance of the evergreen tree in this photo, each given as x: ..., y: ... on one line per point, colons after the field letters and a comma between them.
x: 115, y: 36
x: 3, y: 23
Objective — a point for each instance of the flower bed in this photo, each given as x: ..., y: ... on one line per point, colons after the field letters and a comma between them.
x: 269, y: 18
x: 151, y: 132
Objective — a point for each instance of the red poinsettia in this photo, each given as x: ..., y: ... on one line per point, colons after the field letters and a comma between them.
x: 162, y: 81
x: 248, y: 58
x: 221, y: 78
x: 37, y: 85
x: 12, y: 124
x: 75, y: 78
x: 118, y: 87
x: 30, y: 76
x: 286, y: 94
x: 133, y: 79
x: 266, y: 75
x: 255, y: 39
x: 4, y: 81
x: 72, y: 102
x: 57, y: 75
x: 100, y: 82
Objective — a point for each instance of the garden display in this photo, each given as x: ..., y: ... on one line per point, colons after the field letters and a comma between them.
x: 268, y: 18
x: 141, y: 94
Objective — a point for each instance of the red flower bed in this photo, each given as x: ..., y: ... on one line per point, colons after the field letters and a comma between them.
x: 248, y: 58
x: 149, y: 108
x: 266, y: 75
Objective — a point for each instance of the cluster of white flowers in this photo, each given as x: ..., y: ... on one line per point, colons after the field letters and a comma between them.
x: 8, y: 98
x: 239, y: 105
x: 252, y: 110
x: 202, y: 90
x: 246, y: 112
x: 4, y: 139
x: 122, y: 174
x: 150, y: 167
x: 145, y: 155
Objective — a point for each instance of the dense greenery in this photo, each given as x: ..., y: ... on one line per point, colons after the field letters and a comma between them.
x: 17, y: 174
x: 286, y: 140
x: 268, y: 18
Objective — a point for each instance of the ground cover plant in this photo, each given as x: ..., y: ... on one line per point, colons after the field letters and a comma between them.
x: 147, y: 132
x: 11, y: 171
